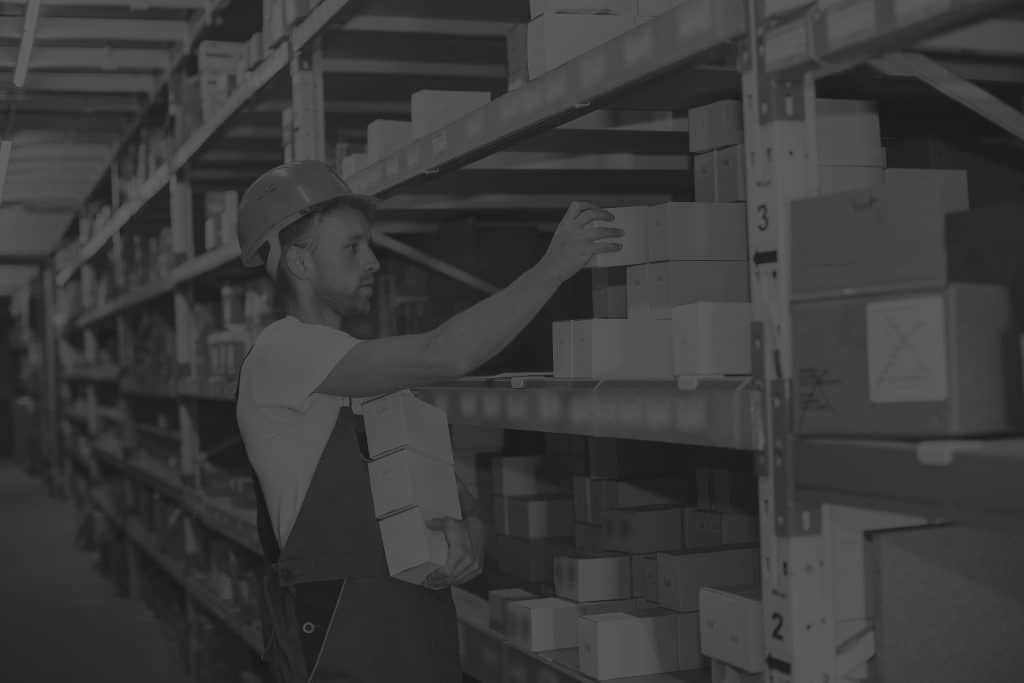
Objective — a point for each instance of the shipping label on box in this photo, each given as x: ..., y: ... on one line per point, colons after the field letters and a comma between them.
x: 643, y: 530
x: 716, y: 125
x: 697, y: 231
x: 401, y: 420
x: 711, y: 338
x: 645, y: 577
x: 406, y: 478
x: 542, y: 624
x: 622, y: 349
x: 499, y: 601
x: 682, y: 575
x: 592, y: 578
x: 632, y: 220
x: 412, y: 550
x: 731, y: 627
x: 638, y: 643
x: 537, y: 517
x: 837, y: 380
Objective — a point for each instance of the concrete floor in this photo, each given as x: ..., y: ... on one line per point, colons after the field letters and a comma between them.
x: 60, y: 620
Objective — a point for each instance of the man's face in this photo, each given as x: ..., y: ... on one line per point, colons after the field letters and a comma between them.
x: 344, y: 263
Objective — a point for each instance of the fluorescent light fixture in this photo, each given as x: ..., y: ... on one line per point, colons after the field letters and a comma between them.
x: 5, y: 158
x: 28, y: 38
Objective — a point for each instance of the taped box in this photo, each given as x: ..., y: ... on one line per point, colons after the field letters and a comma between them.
x: 636, y: 348
x: 412, y: 550
x: 637, y: 643
x: 915, y: 365
x: 697, y: 231
x: 401, y: 420
x: 593, y: 578
x: 542, y: 624
x: 405, y: 478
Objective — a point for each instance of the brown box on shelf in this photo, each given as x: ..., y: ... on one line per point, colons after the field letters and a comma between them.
x: 620, y: 644
x: 681, y: 575
x: 592, y: 577
x: 918, y: 364
x: 679, y: 283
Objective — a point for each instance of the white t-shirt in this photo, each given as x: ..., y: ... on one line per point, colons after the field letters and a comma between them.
x: 284, y: 423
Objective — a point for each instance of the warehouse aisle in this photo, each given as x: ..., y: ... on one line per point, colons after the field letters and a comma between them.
x: 60, y: 620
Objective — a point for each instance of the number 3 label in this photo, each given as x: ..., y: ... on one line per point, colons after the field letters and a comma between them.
x: 762, y: 213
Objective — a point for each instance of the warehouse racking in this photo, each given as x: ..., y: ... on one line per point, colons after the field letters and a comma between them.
x: 814, y: 493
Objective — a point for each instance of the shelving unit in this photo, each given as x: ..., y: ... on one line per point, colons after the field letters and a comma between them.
x: 772, y: 56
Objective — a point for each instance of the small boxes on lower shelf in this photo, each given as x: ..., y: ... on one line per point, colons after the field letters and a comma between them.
x: 542, y: 624
x: 731, y: 629
x: 412, y: 550
x: 499, y: 601
x: 592, y: 578
x: 621, y: 349
x: 637, y: 643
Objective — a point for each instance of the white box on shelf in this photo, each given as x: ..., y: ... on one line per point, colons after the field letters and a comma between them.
x: 499, y: 601
x: 406, y: 478
x: 705, y: 177
x: 561, y: 348
x: 697, y: 231
x: 542, y: 624
x: 636, y: 643
x: 384, y: 137
x: 730, y: 174
x: 731, y: 629
x: 645, y: 577
x: 711, y: 338
x: 632, y: 220
x: 716, y: 125
x: 848, y: 133
x: 400, y: 419
x: 554, y: 39
x: 435, y: 109
x: 683, y: 574
x: 679, y: 283
x: 593, y: 577
x: 412, y: 550
x: 540, y: 517
x: 638, y: 291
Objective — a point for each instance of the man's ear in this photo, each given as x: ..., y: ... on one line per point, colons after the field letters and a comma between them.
x: 297, y: 262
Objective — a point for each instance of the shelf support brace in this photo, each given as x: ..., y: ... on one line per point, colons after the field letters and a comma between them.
x: 959, y: 89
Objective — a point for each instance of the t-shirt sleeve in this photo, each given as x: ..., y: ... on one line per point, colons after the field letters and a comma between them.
x: 291, y: 360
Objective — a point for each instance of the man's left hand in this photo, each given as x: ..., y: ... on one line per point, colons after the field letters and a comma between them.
x: 466, y: 539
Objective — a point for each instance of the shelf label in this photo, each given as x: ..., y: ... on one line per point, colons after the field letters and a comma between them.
x: 555, y: 86
x: 439, y: 142
x: 412, y: 155
x: 492, y: 405
x: 694, y: 18
x: 550, y: 406
x: 517, y: 407
x: 475, y: 125
x: 907, y: 350
x: 907, y: 11
x: 846, y: 24
x: 593, y: 69
x: 639, y: 45
x: 468, y: 404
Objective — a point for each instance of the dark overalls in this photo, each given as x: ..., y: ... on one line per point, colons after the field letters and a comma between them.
x: 331, y: 612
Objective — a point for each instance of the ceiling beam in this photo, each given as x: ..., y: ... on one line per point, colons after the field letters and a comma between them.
x: 398, y: 67
x: 99, y: 58
x: 429, y: 26
x: 44, y: 81
x: 106, y: 30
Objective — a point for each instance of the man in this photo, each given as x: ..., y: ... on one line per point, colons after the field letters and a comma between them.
x: 332, y: 613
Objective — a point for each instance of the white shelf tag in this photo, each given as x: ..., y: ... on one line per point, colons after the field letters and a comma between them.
x: 907, y: 350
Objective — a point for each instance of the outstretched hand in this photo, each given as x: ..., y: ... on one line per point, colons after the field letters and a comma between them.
x: 465, y: 551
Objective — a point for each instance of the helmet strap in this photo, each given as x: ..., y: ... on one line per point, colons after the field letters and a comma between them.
x: 273, y: 256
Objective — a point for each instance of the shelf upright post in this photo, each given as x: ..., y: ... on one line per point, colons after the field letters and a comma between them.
x: 183, y: 237
x: 308, y: 102
x: 781, y: 164
x: 89, y: 351
x: 50, y: 404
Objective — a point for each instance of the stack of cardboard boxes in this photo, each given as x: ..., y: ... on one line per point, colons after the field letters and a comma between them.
x: 732, y: 633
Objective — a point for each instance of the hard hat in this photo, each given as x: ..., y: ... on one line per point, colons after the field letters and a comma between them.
x: 283, y: 195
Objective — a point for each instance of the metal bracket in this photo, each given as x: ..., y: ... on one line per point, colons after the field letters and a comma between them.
x: 759, y: 378
x: 779, y: 99
x: 794, y: 519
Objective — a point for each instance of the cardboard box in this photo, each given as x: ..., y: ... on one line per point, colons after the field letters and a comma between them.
x: 724, y: 673
x: 697, y: 231
x: 554, y: 39
x: 638, y: 291
x: 561, y: 348
x: 582, y: 496
x: 609, y: 292
x: 542, y: 624
x: 499, y: 601
x: 683, y: 574
x: 679, y: 283
x: 401, y: 420
x: 385, y: 137
x: 848, y: 133
x: 623, y: 7
x: 610, y: 494
x: 353, y: 163
x: 834, y: 179
x: 537, y: 517
x: 637, y: 348
x: 713, y: 126
x: 731, y: 627
x: 520, y: 475
x: 836, y: 238
x: 406, y: 478
x: 640, y: 531
x: 690, y: 656
x: 412, y: 550
x: 705, y: 178
x: 924, y: 364
x: 739, y: 528
x: 435, y: 109
x: 702, y: 529
x: 478, y: 439
x: 730, y: 174
x: 637, y: 643
x: 592, y: 577
x: 632, y: 220
x: 645, y: 577
x: 589, y: 538
x: 711, y: 338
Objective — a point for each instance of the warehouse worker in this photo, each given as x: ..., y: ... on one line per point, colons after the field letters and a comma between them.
x: 331, y: 611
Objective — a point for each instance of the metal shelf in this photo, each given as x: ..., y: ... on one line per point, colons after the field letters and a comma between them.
x: 970, y: 481
x: 161, y: 478
x: 695, y: 29
x: 226, y: 520
x: 721, y: 413
x: 150, y: 545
